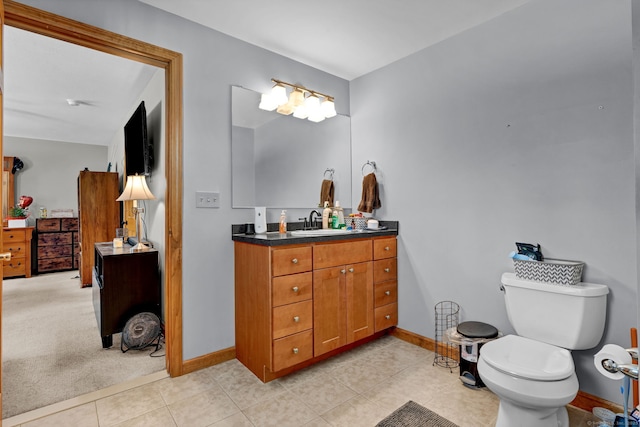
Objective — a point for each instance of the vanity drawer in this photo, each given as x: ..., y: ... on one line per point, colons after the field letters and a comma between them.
x: 291, y: 260
x: 385, y: 248
x: 335, y: 254
x: 13, y: 235
x: 292, y: 288
x: 291, y: 350
x: 385, y: 269
x: 386, y: 316
x: 292, y: 318
x: 386, y: 293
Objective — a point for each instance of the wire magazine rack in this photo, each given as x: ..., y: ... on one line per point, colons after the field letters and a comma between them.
x: 447, y: 316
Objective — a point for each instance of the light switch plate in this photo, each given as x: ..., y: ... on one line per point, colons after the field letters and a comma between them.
x: 207, y: 199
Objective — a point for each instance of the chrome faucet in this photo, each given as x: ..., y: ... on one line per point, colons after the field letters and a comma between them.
x: 313, y: 223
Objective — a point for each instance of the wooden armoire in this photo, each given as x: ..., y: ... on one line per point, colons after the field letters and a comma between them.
x: 99, y: 216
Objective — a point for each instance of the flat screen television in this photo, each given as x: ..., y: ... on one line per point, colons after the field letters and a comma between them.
x: 137, y: 147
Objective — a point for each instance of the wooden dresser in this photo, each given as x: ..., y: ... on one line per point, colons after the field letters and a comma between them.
x: 57, y: 244
x: 18, y: 242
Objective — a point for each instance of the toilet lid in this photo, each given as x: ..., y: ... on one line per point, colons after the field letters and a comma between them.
x: 526, y: 358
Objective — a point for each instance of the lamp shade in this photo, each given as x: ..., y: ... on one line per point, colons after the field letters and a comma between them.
x: 136, y: 189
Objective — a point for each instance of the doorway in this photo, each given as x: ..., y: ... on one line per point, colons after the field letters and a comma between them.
x: 47, y: 24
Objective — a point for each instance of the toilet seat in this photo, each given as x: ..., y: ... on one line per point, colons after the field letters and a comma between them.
x: 529, y: 359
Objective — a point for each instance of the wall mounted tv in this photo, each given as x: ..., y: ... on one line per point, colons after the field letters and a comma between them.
x: 138, y: 154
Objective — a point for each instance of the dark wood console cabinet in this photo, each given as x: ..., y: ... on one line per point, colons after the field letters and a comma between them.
x: 124, y: 284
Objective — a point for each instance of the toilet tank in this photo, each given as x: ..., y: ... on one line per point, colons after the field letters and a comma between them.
x: 570, y: 317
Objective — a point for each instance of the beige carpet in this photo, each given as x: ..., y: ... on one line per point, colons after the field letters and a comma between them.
x: 51, y: 347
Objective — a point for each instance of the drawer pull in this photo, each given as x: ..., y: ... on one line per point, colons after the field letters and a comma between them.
x: 351, y: 270
x: 343, y: 271
x: 386, y: 270
x: 295, y: 289
x: 295, y: 350
x: 388, y: 316
x: 387, y: 248
x: 295, y: 260
x: 296, y: 319
x: 387, y: 293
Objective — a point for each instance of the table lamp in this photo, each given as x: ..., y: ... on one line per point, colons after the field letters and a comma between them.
x: 136, y: 189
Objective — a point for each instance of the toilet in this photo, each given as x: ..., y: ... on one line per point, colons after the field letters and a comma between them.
x: 533, y: 372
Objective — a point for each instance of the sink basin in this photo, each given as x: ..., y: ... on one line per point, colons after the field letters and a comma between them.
x: 322, y: 232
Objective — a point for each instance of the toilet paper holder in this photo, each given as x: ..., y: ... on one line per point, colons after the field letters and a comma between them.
x: 630, y: 370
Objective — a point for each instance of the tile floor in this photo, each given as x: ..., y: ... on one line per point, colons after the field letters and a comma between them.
x: 357, y: 388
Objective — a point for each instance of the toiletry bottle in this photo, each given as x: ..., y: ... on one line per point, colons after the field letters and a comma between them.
x: 341, y: 223
x: 326, y: 215
x: 283, y: 222
x: 334, y: 219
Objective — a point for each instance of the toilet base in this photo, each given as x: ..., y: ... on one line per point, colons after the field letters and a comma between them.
x: 511, y: 415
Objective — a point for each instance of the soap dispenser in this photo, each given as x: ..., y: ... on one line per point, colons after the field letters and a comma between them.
x: 341, y: 223
x: 283, y: 222
x: 326, y: 215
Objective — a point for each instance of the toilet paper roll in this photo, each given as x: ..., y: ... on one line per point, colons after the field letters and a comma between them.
x: 615, y: 353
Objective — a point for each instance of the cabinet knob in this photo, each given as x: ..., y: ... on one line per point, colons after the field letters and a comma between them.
x: 387, y: 248
x: 296, y: 319
x: 295, y: 260
x: 387, y: 293
x: 388, y: 316
x: 295, y: 350
x: 295, y: 289
x: 343, y: 271
x: 351, y: 270
x: 386, y: 270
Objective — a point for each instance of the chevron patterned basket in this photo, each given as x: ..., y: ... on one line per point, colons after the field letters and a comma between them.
x: 554, y: 271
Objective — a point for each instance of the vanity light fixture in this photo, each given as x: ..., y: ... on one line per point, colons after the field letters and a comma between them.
x: 303, y: 103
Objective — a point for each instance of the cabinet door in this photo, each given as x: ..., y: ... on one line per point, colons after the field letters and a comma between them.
x: 359, y: 287
x: 329, y: 309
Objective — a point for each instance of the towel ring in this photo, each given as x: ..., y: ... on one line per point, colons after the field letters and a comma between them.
x: 372, y: 164
x: 330, y: 172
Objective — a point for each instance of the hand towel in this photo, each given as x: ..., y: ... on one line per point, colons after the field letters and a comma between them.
x: 370, y: 196
x: 326, y: 192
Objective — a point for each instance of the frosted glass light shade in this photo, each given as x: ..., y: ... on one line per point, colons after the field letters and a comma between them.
x: 285, y: 109
x: 136, y: 189
x: 267, y: 103
x: 296, y: 98
x: 301, y: 112
x: 328, y: 108
x: 279, y: 94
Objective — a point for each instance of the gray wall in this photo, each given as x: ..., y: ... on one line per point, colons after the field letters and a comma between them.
x: 51, y: 169
x: 500, y: 138
x: 517, y: 130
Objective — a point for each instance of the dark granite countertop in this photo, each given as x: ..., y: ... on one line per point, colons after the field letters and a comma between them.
x: 273, y: 238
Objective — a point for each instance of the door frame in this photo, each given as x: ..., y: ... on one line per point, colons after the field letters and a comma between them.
x: 38, y: 21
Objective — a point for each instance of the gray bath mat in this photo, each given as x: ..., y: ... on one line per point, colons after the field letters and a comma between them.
x: 413, y: 415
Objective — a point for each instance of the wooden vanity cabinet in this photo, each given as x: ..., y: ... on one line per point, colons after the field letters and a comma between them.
x: 296, y: 303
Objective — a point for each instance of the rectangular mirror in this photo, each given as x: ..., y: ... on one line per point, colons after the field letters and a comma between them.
x: 280, y: 161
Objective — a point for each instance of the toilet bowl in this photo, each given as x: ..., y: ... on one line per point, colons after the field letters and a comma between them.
x: 533, y: 372
x: 533, y: 380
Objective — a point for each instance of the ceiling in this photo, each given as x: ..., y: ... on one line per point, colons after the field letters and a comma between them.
x: 344, y: 38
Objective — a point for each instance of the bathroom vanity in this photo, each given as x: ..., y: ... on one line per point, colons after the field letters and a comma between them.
x: 299, y: 300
